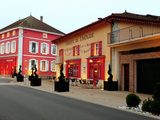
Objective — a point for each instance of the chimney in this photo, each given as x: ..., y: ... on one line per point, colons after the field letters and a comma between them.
x: 41, y: 18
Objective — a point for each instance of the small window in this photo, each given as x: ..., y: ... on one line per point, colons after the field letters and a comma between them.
x: 2, y: 48
x: 44, y: 48
x: 44, y: 65
x: 76, y: 50
x: 44, y: 35
x: 8, y: 34
x: 54, y: 49
x: 32, y: 63
x: 96, y: 52
x: 13, y: 46
x: 7, y: 47
x: 53, y: 66
x: 2, y: 35
x: 14, y: 33
x: 33, y: 47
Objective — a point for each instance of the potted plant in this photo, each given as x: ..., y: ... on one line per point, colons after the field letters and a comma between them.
x: 20, y: 77
x: 110, y: 85
x: 61, y: 85
x: 35, y: 81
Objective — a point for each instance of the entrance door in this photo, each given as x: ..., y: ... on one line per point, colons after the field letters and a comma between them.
x: 95, y: 77
x: 126, y: 77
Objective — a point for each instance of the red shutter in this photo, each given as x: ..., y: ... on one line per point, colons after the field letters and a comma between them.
x: 100, y: 48
x: 73, y: 50
x: 92, y: 47
x: 62, y: 55
x: 78, y: 49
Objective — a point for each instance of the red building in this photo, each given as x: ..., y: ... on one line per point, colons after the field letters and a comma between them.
x: 27, y: 42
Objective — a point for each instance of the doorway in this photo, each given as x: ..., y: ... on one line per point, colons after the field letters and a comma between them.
x: 126, y: 77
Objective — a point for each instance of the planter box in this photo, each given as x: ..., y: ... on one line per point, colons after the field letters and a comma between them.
x: 35, y: 81
x: 112, y: 87
x: 20, y: 78
x: 61, y: 86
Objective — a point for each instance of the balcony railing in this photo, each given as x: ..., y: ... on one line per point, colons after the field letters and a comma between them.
x: 132, y: 33
x: 59, y: 60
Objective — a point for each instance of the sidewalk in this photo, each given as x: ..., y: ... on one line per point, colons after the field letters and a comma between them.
x: 107, y: 98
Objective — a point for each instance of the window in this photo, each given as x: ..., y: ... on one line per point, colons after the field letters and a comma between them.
x: 44, y: 48
x: 53, y: 49
x: 76, y: 50
x: 44, y: 65
x: 2, y: 35
x: 44, y: 35
x: 32, y: 63
x: 14, y: 33
x: 13, y: 46
x: 8, y: 34
x: 61, y: 54
x: 7, y: 47
x: 2, y: 48
x: 73, y: 70
x: 53, y: 66
x: 33, y: 47
x: 96, y: 48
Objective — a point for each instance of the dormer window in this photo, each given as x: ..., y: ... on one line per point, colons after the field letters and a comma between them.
x: 44, y: 35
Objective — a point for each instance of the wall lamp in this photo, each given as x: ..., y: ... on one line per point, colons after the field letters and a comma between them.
x: 101, y: 19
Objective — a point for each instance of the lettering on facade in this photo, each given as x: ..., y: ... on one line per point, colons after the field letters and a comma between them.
x: 81, y: 38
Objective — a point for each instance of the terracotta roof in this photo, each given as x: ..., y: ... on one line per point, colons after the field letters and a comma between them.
x: 32, y: 22
x: 126, y: 16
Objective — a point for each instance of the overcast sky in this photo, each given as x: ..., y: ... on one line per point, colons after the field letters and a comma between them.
x: 69, y: 15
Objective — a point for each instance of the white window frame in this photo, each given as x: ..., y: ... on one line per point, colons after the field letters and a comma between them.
x: 13, y: 46
x: 46, y: 66
x: 36, y: 62
x: 7, y: 47
x: 52, y: 47
x: 2, y: 48
x: 47, y: 48
x: 45, y: 35
x: 51, y: 66
x: 30, y: 47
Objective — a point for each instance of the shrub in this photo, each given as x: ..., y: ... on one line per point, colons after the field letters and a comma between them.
x: 132, y: 100
x: 155, y: 107
x: 147, y: 105
x: 156, y: 94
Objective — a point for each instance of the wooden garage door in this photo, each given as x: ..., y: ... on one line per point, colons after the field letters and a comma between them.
x: 148, y: 74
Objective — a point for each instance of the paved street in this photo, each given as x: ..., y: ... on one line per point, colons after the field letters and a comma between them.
x: 23, y: 103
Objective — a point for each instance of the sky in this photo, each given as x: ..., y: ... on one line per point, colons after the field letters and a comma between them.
x: 69, y: 15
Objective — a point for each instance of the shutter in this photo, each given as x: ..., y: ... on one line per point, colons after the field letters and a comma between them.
x: 36, y: 47
x: 78, y: 49
x: 62, y: 55
x: 47, y: 48
x: 92, y: 46
x: 41, y: 47
x: 52, y: 49
x: 51, y: 65
x: 47, y: 65
x: 73, y: 50
x: 9, y: 47
x: 36, y: 61
x: 30, y: 65
x: 41, y: 65
x: 100, y: 48
x: 30, y: 47
x: 0, y: 48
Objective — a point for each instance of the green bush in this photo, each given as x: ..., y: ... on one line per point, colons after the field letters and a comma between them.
x: 132, y: 100
x: 156, y: 94
x: 155, y: 107
x: 147, y: 105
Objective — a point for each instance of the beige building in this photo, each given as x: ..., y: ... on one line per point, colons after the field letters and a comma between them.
x: 124, y: 41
